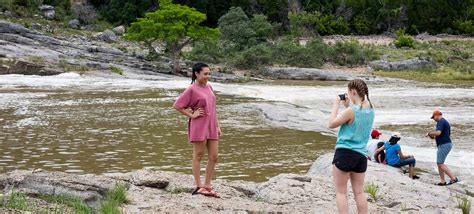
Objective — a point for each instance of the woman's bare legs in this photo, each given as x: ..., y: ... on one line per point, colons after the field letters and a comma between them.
x: 198, y: 152
x: 212, y: 149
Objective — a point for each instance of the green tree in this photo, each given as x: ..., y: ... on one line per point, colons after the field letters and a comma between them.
x: 261, y: 27
x: 236, y: 28
x: 173, y: 24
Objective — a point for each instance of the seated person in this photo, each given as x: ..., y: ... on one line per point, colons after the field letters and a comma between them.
x: 372, y: 144
x: 396, y: 158
x: 380, y: 156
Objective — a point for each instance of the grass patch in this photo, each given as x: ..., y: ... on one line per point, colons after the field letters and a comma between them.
x: 113, y: 200
x: 116, y: 70
x: 178, y: 190
x: 36, y: 59
x: 372, y: 190
x: 67, y: 67
x: 464, y: 203
x: 123, y: 48
x: 75, y: 204
x: 16, y: 200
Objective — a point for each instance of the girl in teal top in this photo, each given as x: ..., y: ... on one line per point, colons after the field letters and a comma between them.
x: 350, y: 158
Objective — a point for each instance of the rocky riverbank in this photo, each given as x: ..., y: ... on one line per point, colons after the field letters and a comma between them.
x: 151, y: 191
x: 30, y: 52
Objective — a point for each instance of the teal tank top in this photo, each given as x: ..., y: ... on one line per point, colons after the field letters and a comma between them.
x: 356, y: 135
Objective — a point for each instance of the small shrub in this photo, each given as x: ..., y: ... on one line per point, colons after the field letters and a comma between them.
x: 116, y: 70
x: 206, y: 51
x: 349, y: 52
x: 464, y: 27
x: 372, y: 190
x: 329, y: 24
x: 123, y: 49
x: 254, y: 57
x: 85, y: 14
x: 464, y: 203
x: 361, y: 25
x: 118, y: 194
x: 403, y: 39
x: 113, y: 199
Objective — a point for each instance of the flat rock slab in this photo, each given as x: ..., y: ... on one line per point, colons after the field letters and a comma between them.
x: 306, y: 74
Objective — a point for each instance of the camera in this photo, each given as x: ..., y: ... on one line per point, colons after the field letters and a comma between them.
x: 342, y: 96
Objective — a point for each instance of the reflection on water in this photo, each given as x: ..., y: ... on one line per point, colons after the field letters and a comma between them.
x: 91, y: 131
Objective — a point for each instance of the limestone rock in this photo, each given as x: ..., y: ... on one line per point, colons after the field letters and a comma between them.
x: 74, y: 24
x: 120, y: 30
x: 48, y: 11
x: 305, y: 74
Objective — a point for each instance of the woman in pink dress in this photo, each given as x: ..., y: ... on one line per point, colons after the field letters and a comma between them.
x: 203, y: 125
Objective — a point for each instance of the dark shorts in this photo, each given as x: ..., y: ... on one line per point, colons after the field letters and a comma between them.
x: 350, y: 161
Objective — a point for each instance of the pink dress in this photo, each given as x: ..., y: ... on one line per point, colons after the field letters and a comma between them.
x: 204, y: 127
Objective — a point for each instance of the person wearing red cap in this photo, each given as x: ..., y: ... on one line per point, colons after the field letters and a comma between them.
x: 444, y: 145
x: 372, y: 144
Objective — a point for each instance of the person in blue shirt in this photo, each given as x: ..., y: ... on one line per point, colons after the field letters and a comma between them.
x: 350, y: 158
x: 395, y: 157
x: 444, y: 144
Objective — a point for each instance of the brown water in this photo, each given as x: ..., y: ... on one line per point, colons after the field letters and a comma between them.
x: 99, y: 125
x: 85, y: 131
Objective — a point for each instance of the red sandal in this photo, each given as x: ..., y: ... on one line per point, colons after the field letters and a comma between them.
x: 206, y: 191
x: 212, y: 193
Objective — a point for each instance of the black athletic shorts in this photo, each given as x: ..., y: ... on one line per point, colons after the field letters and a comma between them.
x: 350, y: 161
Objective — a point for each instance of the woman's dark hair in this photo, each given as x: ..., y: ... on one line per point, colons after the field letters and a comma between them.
x: 196, y: 69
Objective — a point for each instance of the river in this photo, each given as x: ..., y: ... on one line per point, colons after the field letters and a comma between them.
x: 87, y: 124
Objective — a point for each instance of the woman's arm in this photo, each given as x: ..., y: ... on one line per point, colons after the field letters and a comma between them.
x: 346, y: 116
x: 198, y: 113
x: 379, y: 149
x: 401, y: 155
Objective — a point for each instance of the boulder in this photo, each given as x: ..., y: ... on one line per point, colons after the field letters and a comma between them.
x: 74, y: 24
x: 94, y: 49
x: 90, y: 188
x: 48, y: 11
x: 26, y: 68
x: 120, y: 30
x: 107, y: 36
x: 8, y: 27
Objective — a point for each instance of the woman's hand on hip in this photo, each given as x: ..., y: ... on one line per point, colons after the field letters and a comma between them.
x: 198, y: 113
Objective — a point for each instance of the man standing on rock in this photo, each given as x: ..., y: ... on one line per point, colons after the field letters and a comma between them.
x: 444, y: 144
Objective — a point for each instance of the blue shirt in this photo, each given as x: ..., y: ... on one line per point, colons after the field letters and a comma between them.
x: 445, y: 129
x: 391, y: 153
x: 356, y: 135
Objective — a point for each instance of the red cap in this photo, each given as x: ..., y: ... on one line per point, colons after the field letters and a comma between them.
x: 436, y: 113
x: 375, y: 133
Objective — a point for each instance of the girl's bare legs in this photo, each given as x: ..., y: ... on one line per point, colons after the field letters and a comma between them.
x: 340, y: 183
